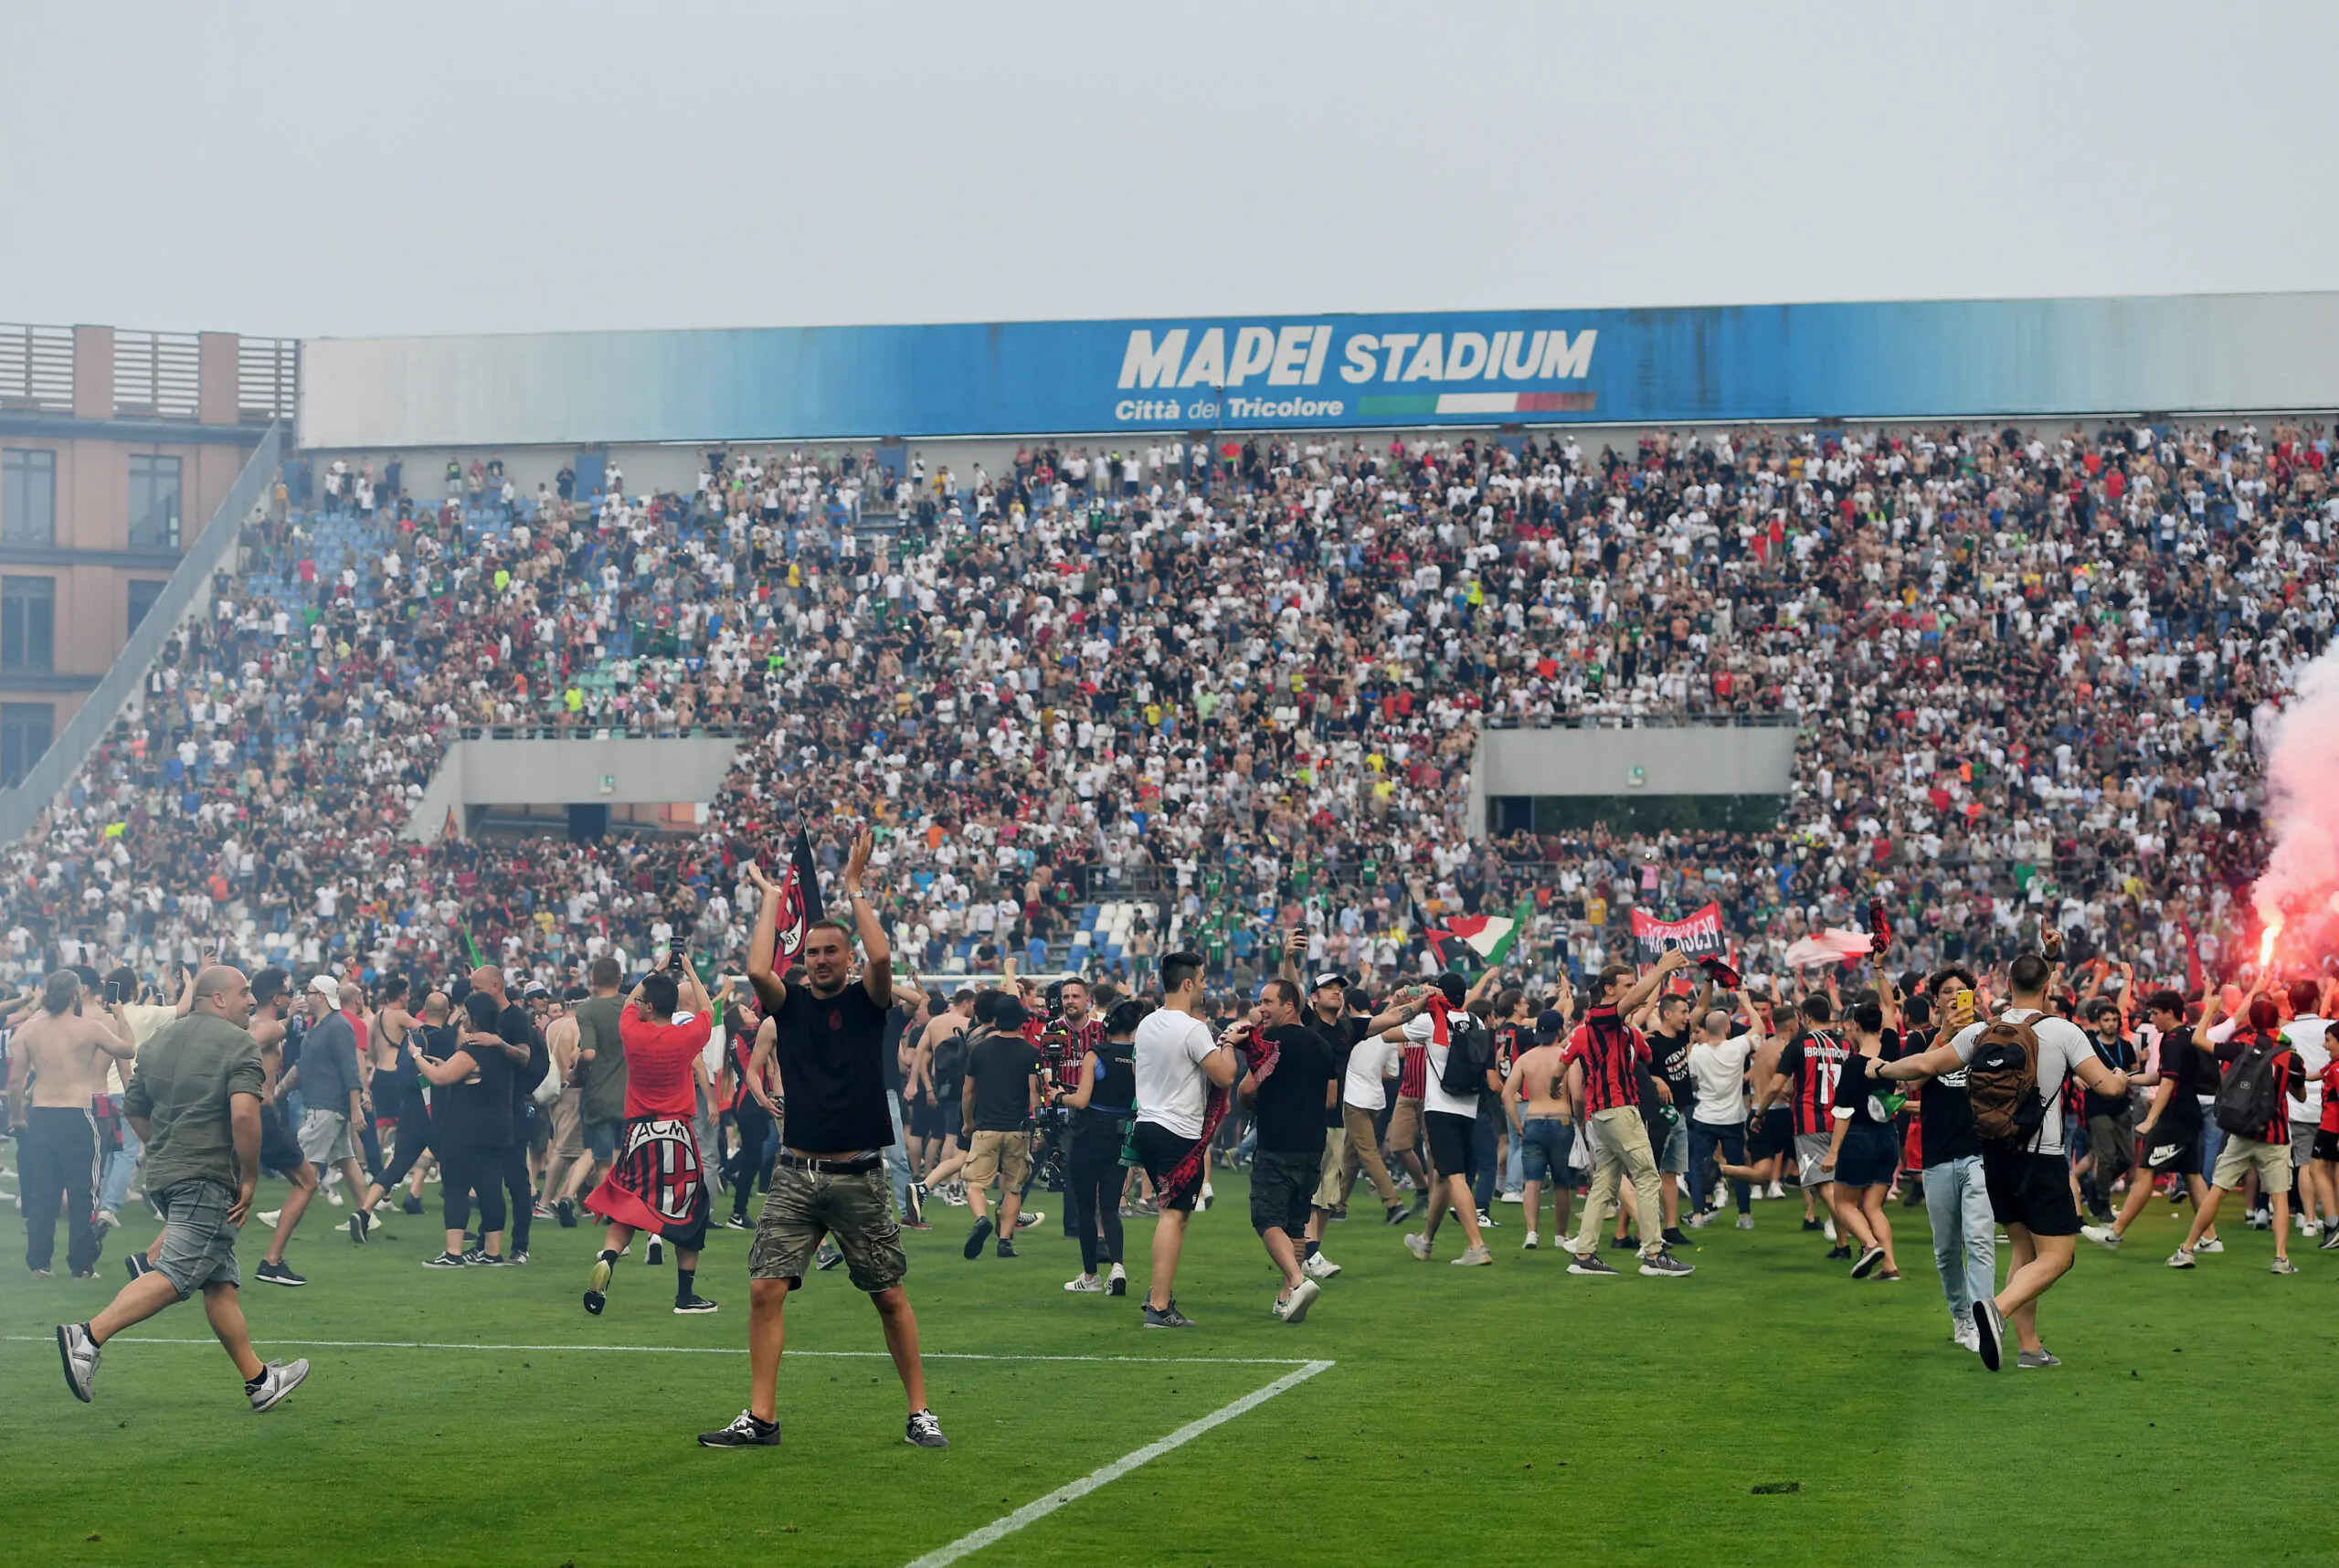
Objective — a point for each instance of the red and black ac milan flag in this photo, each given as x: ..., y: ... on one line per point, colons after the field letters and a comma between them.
x: 657, y: 1183
x: 799, y: 904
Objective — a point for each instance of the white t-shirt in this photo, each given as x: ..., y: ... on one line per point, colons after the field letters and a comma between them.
x: 2062, y: 1046
x: 1717, y: 1072
x: 1172, y: 1088
x: 2311, y: 1038
x: 1366, y: 1085
x: 1422, y: 1030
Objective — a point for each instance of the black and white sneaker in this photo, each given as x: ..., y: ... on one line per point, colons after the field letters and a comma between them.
x: 597, y: 1288
x: 923, y: 1431
x: 976, y: 1237
x: 276, y: 1379
x: 916, y: 1216
x: 745, y: 1433
x: 136, y: 1265
x: 827, y: 1256
x: 1663, y: 1265
x: 445, y: 1260
x: 410, y: 1205
x: 1166, y: 1317
x: 80, y: 1356
x: 738, y: 1223
x: 478, y: 1259
x: 360, y: 1221
x: 277, y: 1273
x: 1590, y: 1262
x: 692, y: 1304
x: 1118, y: 1282
x: 518, y: 1258
x: 1989, y: 1331
x: 1866, y: 1265
x: 657, y: 1253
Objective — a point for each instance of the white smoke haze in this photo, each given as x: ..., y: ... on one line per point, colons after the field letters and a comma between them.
x: 2300, y: 887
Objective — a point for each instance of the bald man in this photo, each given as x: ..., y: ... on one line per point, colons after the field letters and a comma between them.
x: 195, y: 1100
x: 61, y: 1054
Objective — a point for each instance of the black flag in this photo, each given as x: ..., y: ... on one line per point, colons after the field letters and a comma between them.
x: 799, y: 904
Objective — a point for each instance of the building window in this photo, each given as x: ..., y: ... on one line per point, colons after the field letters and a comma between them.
x: 144, y: 592
x: 28, y: 625
x: 25, y: 731
x: 27, y: 497
x: 153, y: 501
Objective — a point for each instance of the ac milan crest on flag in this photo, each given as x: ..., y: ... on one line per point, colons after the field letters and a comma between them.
x: 656, y: 1184
x: 799, y: 904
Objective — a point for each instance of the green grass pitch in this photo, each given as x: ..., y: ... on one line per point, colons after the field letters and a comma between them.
x: 1505, y: 1414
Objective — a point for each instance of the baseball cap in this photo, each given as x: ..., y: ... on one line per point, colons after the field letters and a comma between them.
x: 327, y: 986
x: 536, y: 988
x: 1548, y: 1024
x: 1331, y: 976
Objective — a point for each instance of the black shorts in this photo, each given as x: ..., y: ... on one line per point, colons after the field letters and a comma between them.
x: 277, y: 1152
x: 926, y: 1119
x: 2032, y: 1191
x: 1774, y: 1137
x: 1449, y: 1141
x: 1868, y: 1158
x: 2327, y: 1144
x: 1281, y: 1185
x: 1162, y: 1153
x: 2169, y: 1150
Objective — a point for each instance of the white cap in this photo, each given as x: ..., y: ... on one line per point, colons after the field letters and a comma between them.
x: 330, y: 989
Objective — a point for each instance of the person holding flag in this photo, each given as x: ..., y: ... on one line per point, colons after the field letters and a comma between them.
x: 828, y: 1035
x: 658, y: 1183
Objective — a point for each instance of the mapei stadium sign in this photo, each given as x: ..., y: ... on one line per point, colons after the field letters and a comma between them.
x: 1935, y: 359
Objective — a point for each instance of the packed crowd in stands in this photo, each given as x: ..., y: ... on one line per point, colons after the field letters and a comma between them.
x: 1241, y: 685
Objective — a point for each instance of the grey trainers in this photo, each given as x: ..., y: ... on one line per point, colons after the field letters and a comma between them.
x: 2031, y: 1361
x: 81, y: 1355
x: 276, y: 1379
x: 1474, y: 1257
x: 2284, y: 1265
x: 1663, y: 1265
x: 1166, y: 1317
x: 923, y: 1431
x: 1590, y: 1262
x: 1418, y: 1245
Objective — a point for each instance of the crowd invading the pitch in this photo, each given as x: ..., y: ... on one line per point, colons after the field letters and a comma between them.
x: 1241, y: 689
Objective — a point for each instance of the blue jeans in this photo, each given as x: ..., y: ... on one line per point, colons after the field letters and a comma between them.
x: 121, y: 1165
x: 897, y: 1157
x: 2213, y: 1138
x: 1958, y: 1203
x: 1705, y: 1138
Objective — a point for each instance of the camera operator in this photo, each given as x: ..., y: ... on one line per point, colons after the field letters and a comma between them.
x: 1101, y: 1109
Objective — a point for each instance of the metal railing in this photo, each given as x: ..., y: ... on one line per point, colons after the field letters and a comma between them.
x: 157, y: 374
x: 37, y: 368
x: 48, y: 778
x: 267, y: 379
x: 1691, y: 718
x: 588, y: 731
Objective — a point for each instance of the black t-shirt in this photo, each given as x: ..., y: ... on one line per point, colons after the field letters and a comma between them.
x: 478, y: 1112
x: 518, y: 1025
x: 1001, y: 1066
x: 1670, y: 1058
x: 828, y: 1050
x: 1290, y: 1104
x: 1853, y: 1092
x: 2195, y: 1071
x: 2121, y: 1057
x: 897, y: 1021
x: 1944, y: 1116
x: 1341, y: 1037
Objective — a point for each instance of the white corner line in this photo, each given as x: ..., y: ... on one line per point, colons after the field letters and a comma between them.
x: 966, y: 1545
x: 704, y: 1350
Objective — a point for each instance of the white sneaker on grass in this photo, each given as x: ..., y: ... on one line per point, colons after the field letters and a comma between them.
x: 1086, y: 1284
x: 2102, y: 1235
x: 1418, y: 1245
x: 1293, y: 1308
x: 1319, y: 1267
x: 2209, y: 1245
x: 1745, y: 1221
x: 2181, y: 1259
x: 276, y: 1379
x: 1529, y: 1245
x: 1475, y: 1257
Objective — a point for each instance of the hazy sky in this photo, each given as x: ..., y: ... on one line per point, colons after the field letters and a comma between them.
x: 319, y: 168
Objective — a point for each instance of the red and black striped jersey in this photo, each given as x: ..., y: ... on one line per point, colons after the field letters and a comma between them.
x: 1814, y: 1059
x: 1412, y: 1073
x: 1613, y: 1052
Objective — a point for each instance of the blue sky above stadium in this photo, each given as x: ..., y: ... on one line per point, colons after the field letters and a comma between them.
x: 326, y: 169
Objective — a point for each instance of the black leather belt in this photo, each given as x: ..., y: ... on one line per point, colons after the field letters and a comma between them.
x: 860, y: 1167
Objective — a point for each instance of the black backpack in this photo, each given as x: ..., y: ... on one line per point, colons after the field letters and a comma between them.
x: 2251, y: 1094
x: 949, y: 1065
x: 1469, y: 1053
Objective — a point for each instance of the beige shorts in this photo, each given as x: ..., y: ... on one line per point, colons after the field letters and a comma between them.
x: 2239, y: 1155
x: 567, y: 1126
x: 1328, y: 1179
x: 1003, y: 1156
x: 1405, y: 1124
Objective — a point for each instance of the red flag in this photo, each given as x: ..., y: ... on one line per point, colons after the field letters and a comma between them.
x: 799, y: 904
x: 2196, y: 981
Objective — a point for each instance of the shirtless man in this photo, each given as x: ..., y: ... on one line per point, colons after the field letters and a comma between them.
x: 62, y: 1052
x: 398, y: 1090
x: 1535, y: 1099
x: 564, y: 1131
x: 931, y: 1121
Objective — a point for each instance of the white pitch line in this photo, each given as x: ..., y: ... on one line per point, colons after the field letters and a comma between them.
x: 999, y: 1529
x: 709, y: 1350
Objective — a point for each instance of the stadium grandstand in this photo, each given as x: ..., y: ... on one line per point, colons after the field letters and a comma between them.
x: 1179, y: 687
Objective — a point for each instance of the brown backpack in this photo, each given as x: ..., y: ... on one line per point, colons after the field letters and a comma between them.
x: 2002, y: 1083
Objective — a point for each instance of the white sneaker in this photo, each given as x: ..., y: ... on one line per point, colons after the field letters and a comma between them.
x: 276, y: 1379
x: 1319, y: 1267
x: 1086, y: 1284
x: 1745, y: 1221
x: 1293, y: 1308
x: 2208, y: 1244
x: 2306, y: 1227
x: 1529, y: 1246
x: 1777, y: 1190
x: 1516, y: 1195
x: 1474, y: 1257
x: 1701, y: 1219
x: 2102, y: 1235
x: 267, y: 1216
x: 1487, y: 1222
x: 1962, y: 1333
x: 1207, y: 1196
x: 1830, y: 1228
x: 2180, y: 1258
x: 1418, y: 1245
x: 332, y: 1196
